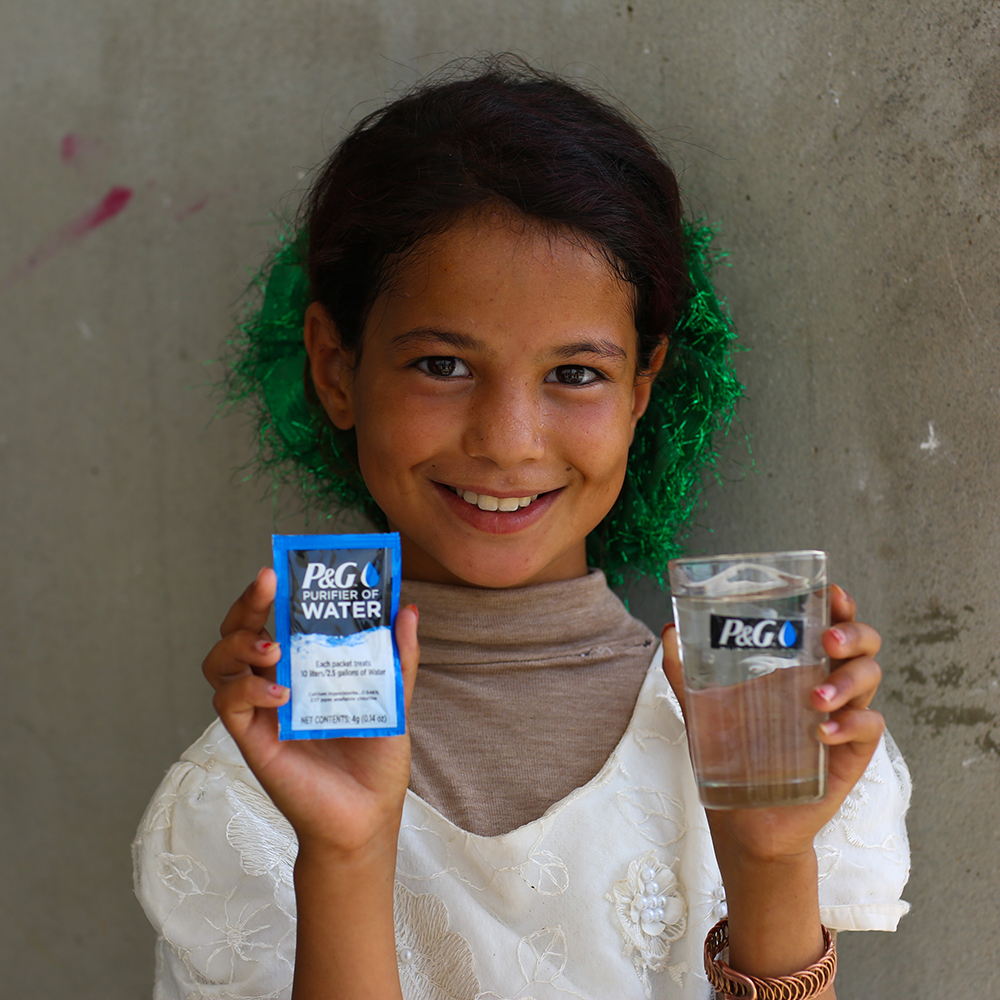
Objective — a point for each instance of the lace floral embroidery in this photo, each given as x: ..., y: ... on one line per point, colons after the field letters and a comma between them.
x: 545, y: 873
x: 542, y: 955
x: 653, y: 813
x: 239, y: 938
x: 182, y: 874
x: 434, y: 963
x: 263, y: 838
x: 651, y: 912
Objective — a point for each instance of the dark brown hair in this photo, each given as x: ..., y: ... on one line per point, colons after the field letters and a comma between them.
x: 508, y: 135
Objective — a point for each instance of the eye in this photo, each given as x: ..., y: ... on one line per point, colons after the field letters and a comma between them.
x: 441, y: 367
x: 574, y: 375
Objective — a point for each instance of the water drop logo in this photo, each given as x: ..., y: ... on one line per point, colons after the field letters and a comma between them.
x: 756, y: 633
x: 788, y: 637
x: 370, y: 577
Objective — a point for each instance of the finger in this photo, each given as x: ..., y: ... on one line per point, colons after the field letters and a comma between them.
x: 409, y: 648
x: 239, y: 703
x: 852, y: 737
x: 859, y: 726
x: 269, y: 653
x: 672, y: 661
x: 241, y: 653
x: 253, y: 606
x: 848, y: 639
x: 851, y: 685
x: 842, y: 605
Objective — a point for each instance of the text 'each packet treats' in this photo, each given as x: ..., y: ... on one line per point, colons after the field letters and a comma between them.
x: 335, y: 613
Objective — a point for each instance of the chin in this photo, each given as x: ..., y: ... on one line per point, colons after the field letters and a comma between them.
x: 492, y: 580
x: 492, y: 562
x: 494, y: 574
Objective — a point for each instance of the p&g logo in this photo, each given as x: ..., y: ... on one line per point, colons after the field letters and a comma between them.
x: 756, y: 633
x: 340, y: 577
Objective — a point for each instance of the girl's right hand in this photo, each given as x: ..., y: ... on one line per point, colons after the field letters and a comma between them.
x: 340, y: 795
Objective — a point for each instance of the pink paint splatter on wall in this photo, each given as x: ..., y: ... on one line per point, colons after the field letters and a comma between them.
x: 107, y: 208
x: 76, y: 229
x: 76, y: 149
x: 190, y: 210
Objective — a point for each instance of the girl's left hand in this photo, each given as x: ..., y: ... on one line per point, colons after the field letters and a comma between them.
x: 852, y: 733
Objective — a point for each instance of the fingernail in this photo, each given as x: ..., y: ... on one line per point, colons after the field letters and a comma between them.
x: 265, y: 646
x: 844, y: 593
x: 415, y: 610
x: 827, y: 692
x: 278, y: 691
x: 829, y: 728
x: 667, y: 627
x: 838, y: 635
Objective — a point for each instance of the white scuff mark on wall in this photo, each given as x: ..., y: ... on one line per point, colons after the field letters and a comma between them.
x: 932, y: 443
x: 85, y: 330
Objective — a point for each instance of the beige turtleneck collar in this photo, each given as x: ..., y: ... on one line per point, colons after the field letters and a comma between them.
x: 521, y: 696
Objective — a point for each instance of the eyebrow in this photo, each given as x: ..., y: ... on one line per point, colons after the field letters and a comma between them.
x: 429, y: 335
x: 602, y: 348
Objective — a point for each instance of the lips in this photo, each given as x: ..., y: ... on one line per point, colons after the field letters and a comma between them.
x: 477, y: 510
x: 490, y: 503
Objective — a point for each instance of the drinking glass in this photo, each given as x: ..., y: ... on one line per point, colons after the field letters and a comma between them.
x: 750, y: 629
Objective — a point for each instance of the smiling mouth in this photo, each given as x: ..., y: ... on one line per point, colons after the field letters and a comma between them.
x: 485, y: 502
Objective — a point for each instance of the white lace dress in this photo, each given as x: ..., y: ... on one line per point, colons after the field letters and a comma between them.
x: 609, y: 894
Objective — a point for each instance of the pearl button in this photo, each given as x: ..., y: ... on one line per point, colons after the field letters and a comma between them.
x: 405, y: 955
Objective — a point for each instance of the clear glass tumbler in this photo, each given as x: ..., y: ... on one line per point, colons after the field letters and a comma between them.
x: 750, y: 629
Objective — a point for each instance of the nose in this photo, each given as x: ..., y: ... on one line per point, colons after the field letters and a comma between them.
x: 505, y: 424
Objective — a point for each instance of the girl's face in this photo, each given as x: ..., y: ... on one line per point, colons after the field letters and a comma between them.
x: 494, y: 400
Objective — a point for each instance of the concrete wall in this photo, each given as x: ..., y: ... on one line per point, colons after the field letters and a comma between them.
x: 850, y: 151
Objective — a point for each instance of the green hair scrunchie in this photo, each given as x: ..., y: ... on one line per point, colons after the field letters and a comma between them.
x: 691, y: 403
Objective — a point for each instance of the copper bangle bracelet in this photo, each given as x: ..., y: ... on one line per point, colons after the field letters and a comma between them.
x: 805, y: 985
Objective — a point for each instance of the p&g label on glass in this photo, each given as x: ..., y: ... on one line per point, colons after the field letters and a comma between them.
x: 756, y: 633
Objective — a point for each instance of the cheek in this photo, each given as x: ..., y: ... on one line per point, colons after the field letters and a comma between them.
x: 392, y: 441
x: 602, y: 441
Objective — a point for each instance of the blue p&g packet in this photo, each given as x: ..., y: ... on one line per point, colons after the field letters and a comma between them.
x: 334, y: 615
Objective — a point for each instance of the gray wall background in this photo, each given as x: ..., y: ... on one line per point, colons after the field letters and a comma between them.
x: 851, y: 152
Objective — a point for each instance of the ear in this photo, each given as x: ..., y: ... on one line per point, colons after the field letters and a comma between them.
x: 331, y: 365
x: 644, y: 383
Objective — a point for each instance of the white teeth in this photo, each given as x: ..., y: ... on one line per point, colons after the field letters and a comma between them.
x: 485, y: 502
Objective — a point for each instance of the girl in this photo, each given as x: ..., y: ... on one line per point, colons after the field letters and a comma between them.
x: 512, y: 358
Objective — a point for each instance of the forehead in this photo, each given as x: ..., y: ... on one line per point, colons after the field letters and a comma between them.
x: 492, y: 273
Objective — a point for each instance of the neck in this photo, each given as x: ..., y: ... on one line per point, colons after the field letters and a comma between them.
x: 419, y: 565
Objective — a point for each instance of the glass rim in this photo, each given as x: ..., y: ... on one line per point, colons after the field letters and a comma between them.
x: 745, y: 556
